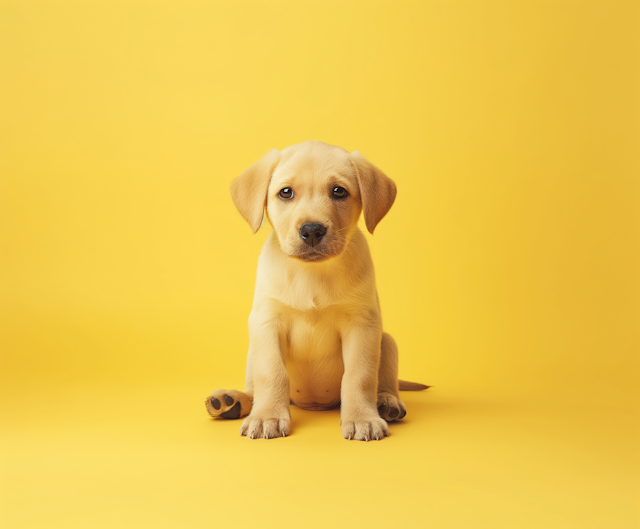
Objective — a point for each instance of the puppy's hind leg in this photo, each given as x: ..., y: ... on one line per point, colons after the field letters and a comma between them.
x: 390, y: 407
x: 232, y: 404
x: 228, y: 404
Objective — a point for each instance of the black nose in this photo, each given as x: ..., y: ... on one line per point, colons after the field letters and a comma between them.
x: 312, y: 234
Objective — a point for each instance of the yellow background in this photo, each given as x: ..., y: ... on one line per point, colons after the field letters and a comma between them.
x: 508, y: 269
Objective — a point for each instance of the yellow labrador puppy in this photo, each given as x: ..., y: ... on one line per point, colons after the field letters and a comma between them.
x: 315, y: 331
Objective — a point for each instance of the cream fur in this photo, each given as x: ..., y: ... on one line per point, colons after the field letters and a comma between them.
x: 315, y: 330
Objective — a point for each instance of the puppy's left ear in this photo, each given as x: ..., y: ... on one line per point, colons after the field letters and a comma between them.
x: 377, y: 190
x: 249, y: 190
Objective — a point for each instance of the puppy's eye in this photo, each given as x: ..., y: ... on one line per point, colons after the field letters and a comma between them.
x: 339, y: 192
x: 286, y: 193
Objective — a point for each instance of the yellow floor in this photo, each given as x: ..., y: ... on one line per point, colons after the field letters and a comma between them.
x: 150, y: 457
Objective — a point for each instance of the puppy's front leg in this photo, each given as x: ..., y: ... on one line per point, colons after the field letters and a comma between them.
x: 361, y: 355
x: 270, y: 416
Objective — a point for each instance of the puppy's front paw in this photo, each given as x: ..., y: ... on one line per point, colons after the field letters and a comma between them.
x: 391, y: 408
x: 266, y: 425
x: 228, y: 404
x: 369, y: 429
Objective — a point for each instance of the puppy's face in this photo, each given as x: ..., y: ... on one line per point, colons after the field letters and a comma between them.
x: 314, y: 194
x: 313, y: 201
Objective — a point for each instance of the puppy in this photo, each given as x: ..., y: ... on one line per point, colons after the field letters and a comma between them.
x: 315, y: 330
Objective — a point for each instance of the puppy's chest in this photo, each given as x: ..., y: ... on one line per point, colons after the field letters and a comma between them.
x: 314, y: 360
x: 315, y: 314
x: 314, y: 333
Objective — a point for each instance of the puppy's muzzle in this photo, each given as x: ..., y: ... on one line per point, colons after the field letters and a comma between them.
x: 312, y: 233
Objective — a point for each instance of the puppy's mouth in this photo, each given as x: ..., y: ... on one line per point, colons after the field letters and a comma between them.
x: 312, y: 256
x: 316, y: 254
x: 321, y: 251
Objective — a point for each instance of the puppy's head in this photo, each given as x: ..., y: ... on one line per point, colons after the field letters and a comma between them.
x: 313, y: 193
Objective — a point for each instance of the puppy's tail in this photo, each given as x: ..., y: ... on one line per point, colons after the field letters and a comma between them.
x: 403, y: 385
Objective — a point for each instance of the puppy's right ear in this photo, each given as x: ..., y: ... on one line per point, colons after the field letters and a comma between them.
x: 249, y: 190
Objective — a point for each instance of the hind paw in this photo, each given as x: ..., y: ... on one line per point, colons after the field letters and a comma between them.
x: 228, y: 404
x: 391, y: 408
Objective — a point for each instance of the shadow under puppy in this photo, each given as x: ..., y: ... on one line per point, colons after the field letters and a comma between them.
x: 315, y: 330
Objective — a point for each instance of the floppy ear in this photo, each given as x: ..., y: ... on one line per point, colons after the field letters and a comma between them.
x: 249, y: 190
x: 377, y: 190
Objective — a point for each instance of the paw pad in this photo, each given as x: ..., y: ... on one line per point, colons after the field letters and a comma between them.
x: 233, y: 413
x: 391, y: 408
x: 228, y: 404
